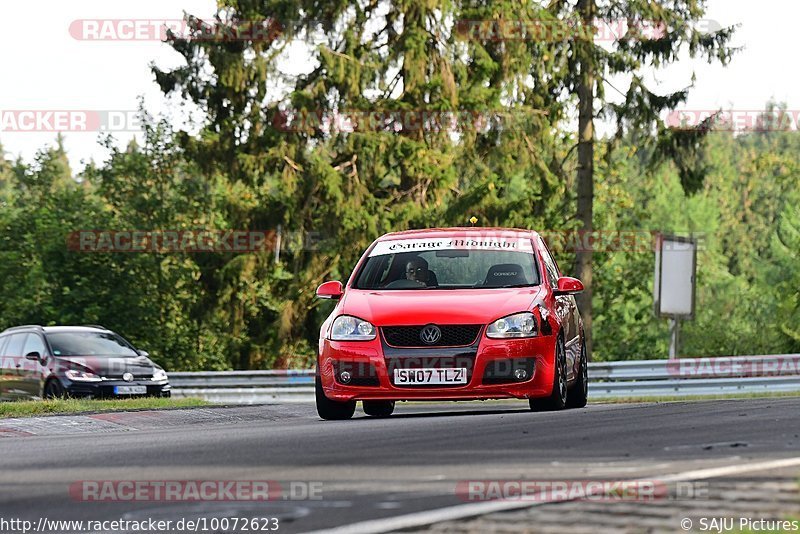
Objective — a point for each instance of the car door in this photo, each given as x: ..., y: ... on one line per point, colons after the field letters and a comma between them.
x: 30, y: 373
x: 566, y: 309
x: 5, y: 368
x: 12, y: 362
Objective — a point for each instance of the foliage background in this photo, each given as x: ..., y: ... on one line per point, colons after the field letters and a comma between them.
x: 253, y: 166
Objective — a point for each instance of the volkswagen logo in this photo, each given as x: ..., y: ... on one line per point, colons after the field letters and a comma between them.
x: 127, y: 377
x: 431, y: 334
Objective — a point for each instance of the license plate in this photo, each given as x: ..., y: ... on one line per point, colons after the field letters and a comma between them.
x: 130, y: 390
x: 411, y: 377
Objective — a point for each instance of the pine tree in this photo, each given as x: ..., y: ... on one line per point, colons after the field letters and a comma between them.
x: 285, y: 158
x: 657, y: 35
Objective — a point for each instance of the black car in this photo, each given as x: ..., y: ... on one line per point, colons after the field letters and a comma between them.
x: 75, y: 361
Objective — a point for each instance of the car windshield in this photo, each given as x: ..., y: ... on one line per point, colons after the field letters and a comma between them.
x: 447, y: 268
x: 89, y: 344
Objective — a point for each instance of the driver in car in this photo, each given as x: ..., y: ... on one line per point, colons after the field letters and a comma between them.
x: 417, y: 271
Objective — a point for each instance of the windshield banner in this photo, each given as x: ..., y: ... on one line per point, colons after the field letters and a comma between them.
x: 509, y: 244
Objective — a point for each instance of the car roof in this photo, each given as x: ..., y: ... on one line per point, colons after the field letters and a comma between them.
x: 52, y: 329
x: 460, y: 231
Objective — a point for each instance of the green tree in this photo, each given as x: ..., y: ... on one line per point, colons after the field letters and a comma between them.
x: 156, y: 298
x: 387, y: 58
x: 785, y: 275
x: 658, y: 34
x: 751, y: 182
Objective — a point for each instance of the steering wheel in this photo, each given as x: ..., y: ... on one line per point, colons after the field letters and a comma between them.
x: 404, y: 284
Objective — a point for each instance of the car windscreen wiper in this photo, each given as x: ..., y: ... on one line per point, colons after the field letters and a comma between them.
x: 448, y: 287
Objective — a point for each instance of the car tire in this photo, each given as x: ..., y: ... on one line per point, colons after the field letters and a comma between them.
x: 329, y: 409
x: 378, y: 408
x: 54, y: 390
x: 579, y: 393
x: 558, y: 398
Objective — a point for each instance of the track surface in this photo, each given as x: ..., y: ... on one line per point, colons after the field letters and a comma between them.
x: 371, y: 468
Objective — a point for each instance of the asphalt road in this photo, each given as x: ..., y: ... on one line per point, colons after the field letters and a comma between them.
x: 370, y: 468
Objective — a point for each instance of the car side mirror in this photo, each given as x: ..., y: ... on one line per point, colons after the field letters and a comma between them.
x: 330, y: 290
x: 569, y: 286
x: 143, y: 353
x: 35, y: 356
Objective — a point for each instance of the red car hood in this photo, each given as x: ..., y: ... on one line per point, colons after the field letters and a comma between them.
x: 461, y: 306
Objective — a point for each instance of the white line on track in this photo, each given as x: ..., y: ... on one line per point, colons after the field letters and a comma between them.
x: 463, y: 511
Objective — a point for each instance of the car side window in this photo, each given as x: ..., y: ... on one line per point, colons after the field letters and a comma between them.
x: 34, y: 343
x: 15, y: 345
x: 549, y: 264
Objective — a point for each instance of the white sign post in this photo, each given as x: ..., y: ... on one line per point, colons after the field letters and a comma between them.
x: 674, y: 288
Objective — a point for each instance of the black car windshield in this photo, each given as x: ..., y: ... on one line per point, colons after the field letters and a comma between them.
x: 448, y: 269
x: 89, y: 344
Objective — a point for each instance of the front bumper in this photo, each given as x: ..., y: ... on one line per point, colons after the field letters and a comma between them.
x: 105, y: 389
x: 483, y: 357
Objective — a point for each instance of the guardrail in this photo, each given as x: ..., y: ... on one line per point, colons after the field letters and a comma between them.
x: 609, y: 380
x: 246, y: 387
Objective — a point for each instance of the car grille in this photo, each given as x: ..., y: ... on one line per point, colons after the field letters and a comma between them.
x: 452, y: 336
x: 136, y: 376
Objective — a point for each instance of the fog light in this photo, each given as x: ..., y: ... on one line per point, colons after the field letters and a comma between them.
x: 520, y: 374
x: 345, y: 377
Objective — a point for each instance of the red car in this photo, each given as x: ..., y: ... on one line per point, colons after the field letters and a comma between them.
x: 452, y: 314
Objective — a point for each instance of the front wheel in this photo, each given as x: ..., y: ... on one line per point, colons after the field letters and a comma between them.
x: 54, y: 390
x: 378, y: 408
x: 558, y: 398
x: 332, y: 410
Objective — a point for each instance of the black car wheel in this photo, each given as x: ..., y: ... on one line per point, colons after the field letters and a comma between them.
x: 558, y: 398
x: 579, y: 394
x: 54, y: 390
x: 378, y: 408
x: 330, y: 409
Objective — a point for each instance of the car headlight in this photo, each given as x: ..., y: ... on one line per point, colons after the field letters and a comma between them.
x: 348, y: 328
x: 82, y: 376
x: 517, y: 325
x: 159, y: 375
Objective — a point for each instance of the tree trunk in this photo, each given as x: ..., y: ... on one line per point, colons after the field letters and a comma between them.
x: 585, y: 176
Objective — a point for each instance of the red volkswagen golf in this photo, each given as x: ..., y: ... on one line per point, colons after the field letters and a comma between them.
x: 452, y: 314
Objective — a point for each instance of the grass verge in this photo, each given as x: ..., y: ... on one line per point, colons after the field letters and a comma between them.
x: 677, y: 398
x: 75, y: 406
